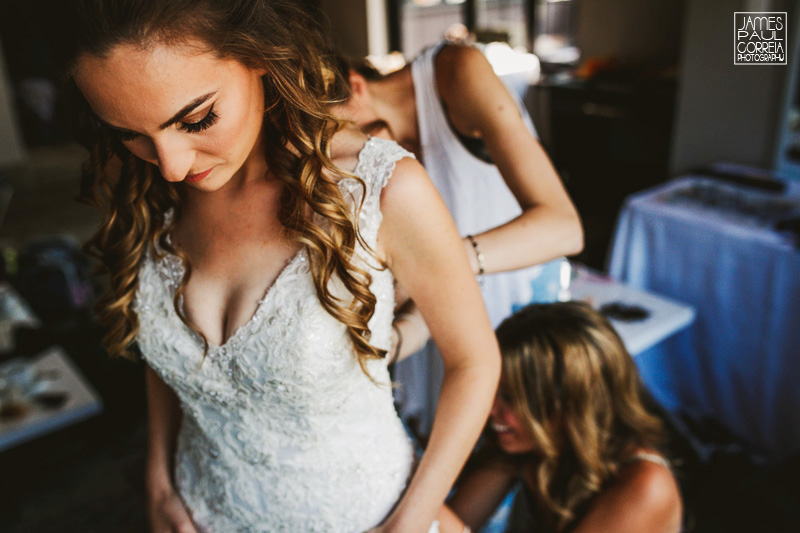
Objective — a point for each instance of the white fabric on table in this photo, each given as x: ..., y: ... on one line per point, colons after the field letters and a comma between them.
x: 740, y: 361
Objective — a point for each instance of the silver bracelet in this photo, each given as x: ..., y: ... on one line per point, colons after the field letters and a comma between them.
x: 479, y: 257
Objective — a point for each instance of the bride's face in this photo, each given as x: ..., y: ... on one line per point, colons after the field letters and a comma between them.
x: 195, y: 116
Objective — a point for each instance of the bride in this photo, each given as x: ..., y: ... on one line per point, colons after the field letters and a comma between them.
x: 252, y: 241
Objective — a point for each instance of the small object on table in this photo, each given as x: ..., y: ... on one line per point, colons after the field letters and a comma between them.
x: 51, y: 400
x: 664, y: 316
x: 45, y: 393
x: 624, y: 312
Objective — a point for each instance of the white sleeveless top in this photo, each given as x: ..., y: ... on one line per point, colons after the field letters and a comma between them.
x: 478, y: 200
x: 281, y: 429
x: 473, y: 190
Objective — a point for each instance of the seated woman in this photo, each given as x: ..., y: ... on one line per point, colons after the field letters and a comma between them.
x: 569, y: 421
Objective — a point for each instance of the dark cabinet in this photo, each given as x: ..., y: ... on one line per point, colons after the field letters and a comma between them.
x: 607, y: 140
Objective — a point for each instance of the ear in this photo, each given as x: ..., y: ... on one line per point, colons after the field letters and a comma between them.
x: 358, y: 83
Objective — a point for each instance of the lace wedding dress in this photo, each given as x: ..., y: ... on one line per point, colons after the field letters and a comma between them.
x: 281, y: 429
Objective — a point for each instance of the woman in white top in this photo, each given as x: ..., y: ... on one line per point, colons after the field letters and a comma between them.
x: 512, y: 212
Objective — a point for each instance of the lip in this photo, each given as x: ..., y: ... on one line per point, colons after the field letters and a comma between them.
x: 194, y: 178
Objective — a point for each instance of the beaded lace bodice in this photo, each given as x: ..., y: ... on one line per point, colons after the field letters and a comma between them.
x: 281, y: 429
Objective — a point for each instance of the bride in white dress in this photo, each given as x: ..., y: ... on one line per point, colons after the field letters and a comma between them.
x: 252, y: 242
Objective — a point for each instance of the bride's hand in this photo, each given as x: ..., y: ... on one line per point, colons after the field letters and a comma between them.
x: 451, y: 522
x: 168, y: 515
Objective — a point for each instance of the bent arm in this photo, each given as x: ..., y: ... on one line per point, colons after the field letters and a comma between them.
x: 421, y: 245
x: 163, y: 419
x: 410, y: 325
x: 479, y: 105
x: 482, y: 490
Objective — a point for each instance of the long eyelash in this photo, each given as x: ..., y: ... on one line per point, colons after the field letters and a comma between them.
x: 201, y: 125
x: 124, y: 135
x: 189, y: 127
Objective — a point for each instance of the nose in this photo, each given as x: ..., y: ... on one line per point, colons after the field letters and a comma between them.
x: 174, y: 157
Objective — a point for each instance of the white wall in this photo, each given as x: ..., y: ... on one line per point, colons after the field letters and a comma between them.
x: 725, y: 112
x: 633, y: 31
x: 357, y: 27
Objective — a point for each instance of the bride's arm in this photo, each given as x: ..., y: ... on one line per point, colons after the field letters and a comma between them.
x: 423, y: 249
x: 166, y: 512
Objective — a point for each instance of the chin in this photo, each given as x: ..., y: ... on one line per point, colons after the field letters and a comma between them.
x: 513, y: 445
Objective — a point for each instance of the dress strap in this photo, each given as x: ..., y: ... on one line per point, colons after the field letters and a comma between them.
x: 650, y: 457
x: 376, y: 164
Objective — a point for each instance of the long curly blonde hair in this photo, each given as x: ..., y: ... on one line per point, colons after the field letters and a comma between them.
x: 578, y: 394
x: 133, y: 197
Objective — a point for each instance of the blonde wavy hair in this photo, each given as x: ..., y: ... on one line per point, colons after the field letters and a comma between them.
x: 578, y: 394
x: 133, y: 197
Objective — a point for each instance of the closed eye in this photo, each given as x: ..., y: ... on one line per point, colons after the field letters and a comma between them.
x: 189, y: 127
x: 202, y: 124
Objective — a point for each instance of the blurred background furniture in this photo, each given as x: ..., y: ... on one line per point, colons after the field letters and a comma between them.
x: 38, y: 394
x: 67, y: 398
x: 714, y: 244
x: 608, y: 136
x: 641, y: 318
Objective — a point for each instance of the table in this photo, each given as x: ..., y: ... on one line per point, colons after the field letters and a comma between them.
x: 420, y: 380
x: 63, y: 377
x: 713, y: 246
x: 665, y: 315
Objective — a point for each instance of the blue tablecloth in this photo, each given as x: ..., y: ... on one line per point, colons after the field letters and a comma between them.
x: 713, y: 247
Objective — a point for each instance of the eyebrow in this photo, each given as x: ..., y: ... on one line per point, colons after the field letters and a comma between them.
x: 191, y: 106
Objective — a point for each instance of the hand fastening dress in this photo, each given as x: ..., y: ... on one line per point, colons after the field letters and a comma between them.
x: 281, y: 429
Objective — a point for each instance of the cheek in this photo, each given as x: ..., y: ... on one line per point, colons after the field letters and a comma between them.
x: 240, y: 121
x: 513, y: 420
x: 504, y: 413
x: 230, y: 137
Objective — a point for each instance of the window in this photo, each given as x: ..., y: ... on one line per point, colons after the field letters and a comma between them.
x: 545, y: 26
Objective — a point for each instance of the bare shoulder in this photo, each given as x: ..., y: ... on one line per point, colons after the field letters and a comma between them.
x: 457, y: 63
x: 408, y: 179
x: 650, y: 483
x: 409, y: 203
x: 473, y: 95
x: 645, y: 497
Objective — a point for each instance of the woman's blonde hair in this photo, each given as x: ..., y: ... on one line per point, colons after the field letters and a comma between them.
x: 578, y: 394
x: 134, y: 199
